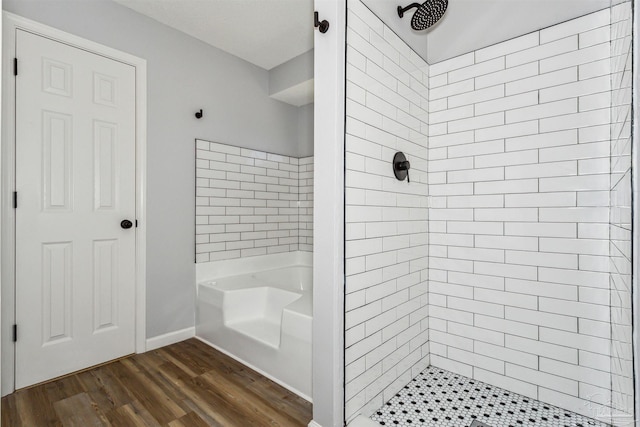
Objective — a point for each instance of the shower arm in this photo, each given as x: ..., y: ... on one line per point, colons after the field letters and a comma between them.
x: 402, y: 10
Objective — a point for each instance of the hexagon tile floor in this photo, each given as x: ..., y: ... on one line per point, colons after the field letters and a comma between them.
x: 439, y: 398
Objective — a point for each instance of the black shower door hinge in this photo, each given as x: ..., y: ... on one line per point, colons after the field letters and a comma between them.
x: 15, y: 66
x: 15, y: 333
x: 15, y: 200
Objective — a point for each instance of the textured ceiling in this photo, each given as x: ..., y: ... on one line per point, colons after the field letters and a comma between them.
x: 263, y: 32
x: 472, y: 24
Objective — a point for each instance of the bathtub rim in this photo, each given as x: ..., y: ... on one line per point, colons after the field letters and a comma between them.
x: 208, y: 271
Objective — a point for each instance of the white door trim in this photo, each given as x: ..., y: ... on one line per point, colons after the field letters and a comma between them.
x: 11, y: 23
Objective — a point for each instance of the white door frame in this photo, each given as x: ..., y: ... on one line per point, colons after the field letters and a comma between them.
x: 2, y: 74
x: 11, y: 23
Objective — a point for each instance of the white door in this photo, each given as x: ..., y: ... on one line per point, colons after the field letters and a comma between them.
x: 75, y: 182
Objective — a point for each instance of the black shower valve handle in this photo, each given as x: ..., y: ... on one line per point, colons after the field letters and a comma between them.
x: 401, y: 167
x: 405, y: 166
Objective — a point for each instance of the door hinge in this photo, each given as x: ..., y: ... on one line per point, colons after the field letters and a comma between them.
x: 136, y: 223
x: 15, y: 333
x: 15, y: 66
x: 15, y: 200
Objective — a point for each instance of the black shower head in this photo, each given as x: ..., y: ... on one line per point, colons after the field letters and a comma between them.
x: 428, y: 13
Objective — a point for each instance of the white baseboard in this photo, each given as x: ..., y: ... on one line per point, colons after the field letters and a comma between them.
x: 170, y: 338
x: 314, y: 424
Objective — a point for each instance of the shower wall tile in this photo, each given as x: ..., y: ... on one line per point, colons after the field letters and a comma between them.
x: 305, y: 204
x: 620, y: 236
x: 513, y: 45
x: 529, y: 219
x: 581, y: 25
x: 386, y: 220
x: 519, y: 214
x: 251, y: 203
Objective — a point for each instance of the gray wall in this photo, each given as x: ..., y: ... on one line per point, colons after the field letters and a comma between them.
x: 305, y: 130
x: 184, y: 75
x: 291, y: 73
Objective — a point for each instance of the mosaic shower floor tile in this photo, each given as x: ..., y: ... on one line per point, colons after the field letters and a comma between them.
x: 439, y: 398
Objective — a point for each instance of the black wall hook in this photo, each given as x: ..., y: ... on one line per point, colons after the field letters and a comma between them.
x: 199, y: 114
x: 401, y: 166
x: 323, y: 25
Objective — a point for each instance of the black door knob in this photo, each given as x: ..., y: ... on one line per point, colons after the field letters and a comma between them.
x: 126, y: 224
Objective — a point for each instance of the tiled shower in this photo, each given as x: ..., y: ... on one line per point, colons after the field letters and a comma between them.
x: 507, y: 258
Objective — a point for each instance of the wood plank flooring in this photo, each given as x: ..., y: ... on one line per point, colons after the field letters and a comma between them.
x: 188, y: 384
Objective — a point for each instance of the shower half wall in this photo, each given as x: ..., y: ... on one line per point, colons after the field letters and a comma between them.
x: 528, y: 218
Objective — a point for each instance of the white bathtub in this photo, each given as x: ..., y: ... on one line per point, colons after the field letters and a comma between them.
x: 263, y: 319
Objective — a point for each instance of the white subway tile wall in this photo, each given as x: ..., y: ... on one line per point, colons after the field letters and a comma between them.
x: 386, y: 219
x: 251, y: 203
x: 622, y: 396
x: 305, y: 204
x: 528, y: 226
x: 519, y: 178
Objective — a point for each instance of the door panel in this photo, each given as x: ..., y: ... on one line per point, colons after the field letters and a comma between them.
x: 56, y: 291
x: 56, y: 153
x: 75, y: 178
x: 105, y: 285
x: 105, y: 140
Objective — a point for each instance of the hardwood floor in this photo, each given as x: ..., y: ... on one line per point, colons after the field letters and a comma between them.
x: 188, y: 384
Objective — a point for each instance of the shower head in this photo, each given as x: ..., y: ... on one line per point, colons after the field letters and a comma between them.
x: 428, y: 13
